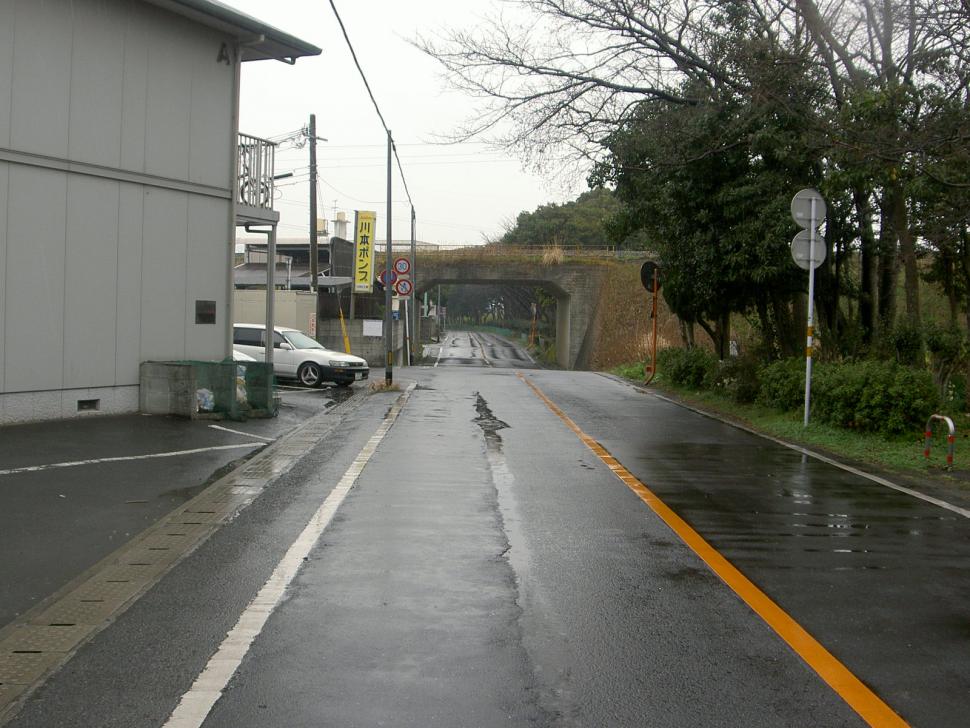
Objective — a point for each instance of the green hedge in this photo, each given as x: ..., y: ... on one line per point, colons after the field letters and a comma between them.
x: 873, y: 396
x: 686, y: 367
x: 782, y: 384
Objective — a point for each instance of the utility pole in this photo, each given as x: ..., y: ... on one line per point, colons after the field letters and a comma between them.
x: 388, y: 270
x: 413, y: 300
x: 313, y: 203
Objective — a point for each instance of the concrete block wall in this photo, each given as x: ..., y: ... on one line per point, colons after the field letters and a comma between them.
x: 293, y: 309
x: 167, y: 388
x: 371, y: 348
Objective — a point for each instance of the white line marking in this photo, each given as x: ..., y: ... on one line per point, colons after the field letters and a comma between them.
x: 441, y: 348
x: 198, y: 702
x: 818, y: 456
x: 240, y: 432
x: 172, y: 454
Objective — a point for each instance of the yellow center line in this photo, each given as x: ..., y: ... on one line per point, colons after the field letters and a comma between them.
x: 852, y: 690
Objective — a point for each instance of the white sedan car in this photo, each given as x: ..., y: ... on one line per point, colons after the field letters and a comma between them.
x: 297, y: 356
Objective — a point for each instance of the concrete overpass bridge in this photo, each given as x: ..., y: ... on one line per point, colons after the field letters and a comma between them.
x: 574, y: 281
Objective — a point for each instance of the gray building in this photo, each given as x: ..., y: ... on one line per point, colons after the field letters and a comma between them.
x: 122, y: 179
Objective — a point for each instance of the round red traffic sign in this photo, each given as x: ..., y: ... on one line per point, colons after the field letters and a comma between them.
x: 383, y: 275
x: 402, y: 266
x: 403, y: 287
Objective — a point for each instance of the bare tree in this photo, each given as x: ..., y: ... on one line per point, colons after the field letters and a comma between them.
x: 559, y: 75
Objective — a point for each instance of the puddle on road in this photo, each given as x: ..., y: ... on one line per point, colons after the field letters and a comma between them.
x: 758, y: 501
x: 489, y: 423
x: 503, y: 480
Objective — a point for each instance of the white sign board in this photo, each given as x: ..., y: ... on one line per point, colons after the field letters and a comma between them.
x: 802, y: 208
x: 373, y: 327
x: 802, y: 253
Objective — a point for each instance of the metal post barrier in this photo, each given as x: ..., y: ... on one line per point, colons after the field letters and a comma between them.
x: 950, y: 438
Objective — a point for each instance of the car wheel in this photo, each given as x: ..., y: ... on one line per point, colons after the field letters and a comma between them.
x: 310, y: 374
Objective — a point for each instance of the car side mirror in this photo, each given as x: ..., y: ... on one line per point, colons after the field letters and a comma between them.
x: 286, y: 347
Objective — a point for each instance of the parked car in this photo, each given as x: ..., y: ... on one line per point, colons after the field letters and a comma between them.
x: 297, y: 356
x: 240, y: 356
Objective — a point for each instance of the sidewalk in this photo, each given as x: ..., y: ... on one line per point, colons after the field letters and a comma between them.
x: 74, y: 491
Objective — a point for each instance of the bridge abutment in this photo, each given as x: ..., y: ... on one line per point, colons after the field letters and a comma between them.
x: 575, y: 287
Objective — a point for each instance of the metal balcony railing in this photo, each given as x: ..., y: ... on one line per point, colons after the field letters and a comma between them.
x: 255, y: 183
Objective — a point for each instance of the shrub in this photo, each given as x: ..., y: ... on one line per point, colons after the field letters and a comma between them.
x: 735, y: 377
x: 948, y: 353
x: 874, y: 396
x: 686, y: 367
x: 782, y: 384
x: 907, y: 340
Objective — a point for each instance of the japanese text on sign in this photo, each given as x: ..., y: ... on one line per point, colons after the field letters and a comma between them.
x: 364, y: 252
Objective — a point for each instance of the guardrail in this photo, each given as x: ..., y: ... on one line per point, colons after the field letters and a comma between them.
x: 950, y: 438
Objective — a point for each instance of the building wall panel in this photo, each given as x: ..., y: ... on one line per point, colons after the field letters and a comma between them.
x: 34, y: 280
x: 41, y: 76
x: 97, y: 81
x: 91, y: 285
x: 163, y: 296
x: 4, y: 217
x: 6, y: 67
x: 134, y: 104
x: 129, y: 297
x: 207, y: 256
x: 211, y: 113
x: 169, y: 105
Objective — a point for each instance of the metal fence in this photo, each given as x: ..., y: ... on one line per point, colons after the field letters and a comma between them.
x: 233, y: 389
x: 256, y: 163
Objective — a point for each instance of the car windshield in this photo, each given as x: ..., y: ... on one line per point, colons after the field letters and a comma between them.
x: 301, y: 341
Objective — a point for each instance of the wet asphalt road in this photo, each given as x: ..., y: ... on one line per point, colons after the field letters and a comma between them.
x: 489, y: 570
x: 478, y: 349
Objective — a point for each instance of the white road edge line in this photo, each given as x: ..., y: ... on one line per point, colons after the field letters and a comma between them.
x: 240, y: 432
x: 197, y: 703
x: 124, y: 458
x: 818, y: 456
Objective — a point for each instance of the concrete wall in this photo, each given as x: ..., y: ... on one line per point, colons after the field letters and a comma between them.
x: 292, y: 308
x: 371, y: 348
x: 575, y: 286
x: 115, y: 179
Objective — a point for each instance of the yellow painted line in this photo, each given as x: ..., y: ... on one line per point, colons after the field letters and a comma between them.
x: 860, y: 698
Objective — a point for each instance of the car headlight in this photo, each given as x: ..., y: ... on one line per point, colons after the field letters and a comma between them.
x: 335, y: 363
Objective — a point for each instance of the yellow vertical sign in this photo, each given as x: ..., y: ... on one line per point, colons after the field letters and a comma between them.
x: 364, y: 252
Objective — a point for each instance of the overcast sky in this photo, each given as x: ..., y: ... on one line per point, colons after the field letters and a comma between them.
x: 462, y: 193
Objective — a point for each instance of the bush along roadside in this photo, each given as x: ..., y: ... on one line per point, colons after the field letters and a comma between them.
x: 872, y: 410
x: 883, y: 397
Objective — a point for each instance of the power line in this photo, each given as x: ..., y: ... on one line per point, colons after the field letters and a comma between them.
x: 370, y: 93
